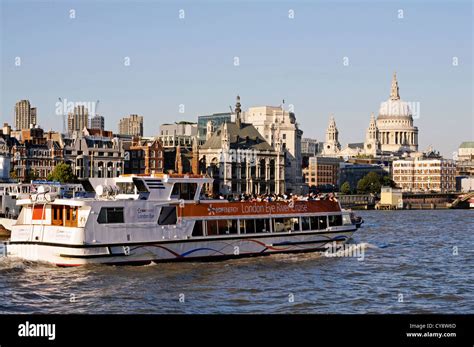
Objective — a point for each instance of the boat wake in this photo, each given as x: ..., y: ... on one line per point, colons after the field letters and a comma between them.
x: 368, y: 245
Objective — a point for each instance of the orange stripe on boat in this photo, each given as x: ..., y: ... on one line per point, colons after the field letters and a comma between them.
x: 212, y: 209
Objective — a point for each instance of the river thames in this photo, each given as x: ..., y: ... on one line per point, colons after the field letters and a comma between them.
x: 414, y: 262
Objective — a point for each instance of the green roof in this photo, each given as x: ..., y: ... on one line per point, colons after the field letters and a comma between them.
x: 467, y: 144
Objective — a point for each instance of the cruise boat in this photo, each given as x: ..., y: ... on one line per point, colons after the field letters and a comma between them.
x: 142, y: 219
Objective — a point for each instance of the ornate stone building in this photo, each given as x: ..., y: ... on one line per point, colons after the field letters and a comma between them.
x: 396, y: 132
x: 35, y: 157
x: 240, y: 160
x: 392, y: 132
x: 331, y: 146
x: 372, y: 143
x: 143, y: 156
x: 276, y: 124
x: 94, y: 153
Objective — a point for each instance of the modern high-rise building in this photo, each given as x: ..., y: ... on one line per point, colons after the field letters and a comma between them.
x: 131, y: 125
x: 217, y: 119
x: 78, y: 120
x: 97, y: 122
x: 25, y: 115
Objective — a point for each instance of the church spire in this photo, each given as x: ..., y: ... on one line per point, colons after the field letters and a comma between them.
x: 394, y: 95
x: 238, y: 121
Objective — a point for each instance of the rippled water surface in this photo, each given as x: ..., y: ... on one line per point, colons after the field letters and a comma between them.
x: 415, y: 262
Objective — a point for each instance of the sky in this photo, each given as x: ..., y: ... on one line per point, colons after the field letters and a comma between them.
x: 331, y: 57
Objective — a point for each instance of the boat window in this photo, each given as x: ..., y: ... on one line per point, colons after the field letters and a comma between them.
x: 185, y: 191
x: 167, y: 215
x: 247, y: 226
x: 39, y: 212
x: 212, y: 227
x: 305, y: 224
x: 322, y: 223
x: 227, y: 227
x: 242, y: 226
x: 262, y: 225
x: 71, y: 216
x: 57, y: 215
x: 286, y: 224
x: 126, y: 187
x: 222, y: 227
x: 231, y: 226
x: 87, y: 186
x: 295, y: 224
x: 197, y: 230
x: 335, y: 220
x: 346, y: 219
x: 141, y: 187
x: 108, y: 215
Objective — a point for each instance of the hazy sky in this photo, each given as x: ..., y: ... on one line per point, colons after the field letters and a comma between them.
x: 190, y: 61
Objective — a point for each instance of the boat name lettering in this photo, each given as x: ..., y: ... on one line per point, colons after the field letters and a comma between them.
x: 145, y: 213
x: 224, y: 209
x: 273, y: 208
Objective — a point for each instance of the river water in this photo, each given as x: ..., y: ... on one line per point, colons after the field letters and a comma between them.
x: 414, y: 262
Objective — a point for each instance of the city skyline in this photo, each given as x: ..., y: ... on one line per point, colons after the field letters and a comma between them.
x: 299, y: 60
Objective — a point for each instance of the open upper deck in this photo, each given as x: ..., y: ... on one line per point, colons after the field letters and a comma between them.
x: 150, y: 187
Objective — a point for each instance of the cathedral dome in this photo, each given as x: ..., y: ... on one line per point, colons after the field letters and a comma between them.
x: 395, y: 129
x: 395, y: 108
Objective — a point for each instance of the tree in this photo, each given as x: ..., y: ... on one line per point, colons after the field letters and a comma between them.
x: 346, y: 188
x: 370, y: 183
x: 62, y: 173
x: 31, y: 175
x: 388, y: 182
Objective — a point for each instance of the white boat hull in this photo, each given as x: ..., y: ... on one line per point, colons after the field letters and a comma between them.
x: 202, y: 249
